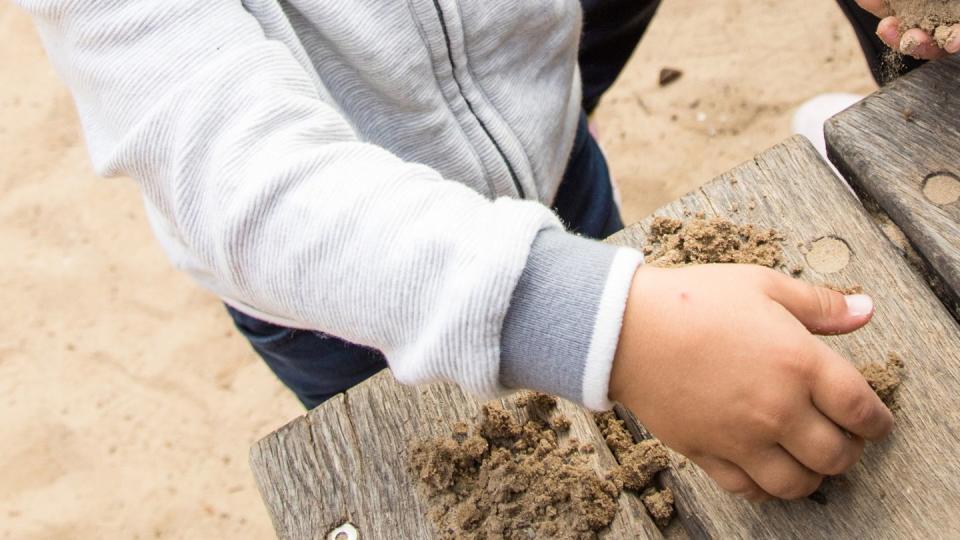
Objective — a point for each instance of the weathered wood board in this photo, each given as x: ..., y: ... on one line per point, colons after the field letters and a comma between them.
x: 905, y: 487
x: 346, y: 462
x: 900, y: 147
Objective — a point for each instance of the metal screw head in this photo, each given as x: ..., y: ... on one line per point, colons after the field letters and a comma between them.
x: 344, y: 532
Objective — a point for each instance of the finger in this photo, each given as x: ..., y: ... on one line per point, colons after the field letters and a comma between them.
x: 842, y: 394
x: 952, y: 43
x: 919, y: 44
x: 780, y: 475
x: 821, y: 310
x: 733, y: 479
x: 818, y: 444
x: 889, y: 32
x: 879, y: 8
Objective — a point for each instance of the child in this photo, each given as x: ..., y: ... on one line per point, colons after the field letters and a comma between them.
x: 371, y: 182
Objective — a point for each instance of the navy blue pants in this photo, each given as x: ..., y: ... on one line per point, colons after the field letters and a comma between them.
x: 317, y: 366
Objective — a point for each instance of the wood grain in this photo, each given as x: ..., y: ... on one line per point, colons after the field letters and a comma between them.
x: 905, y: 487
x: 889, y: 144
x: 346, y: 461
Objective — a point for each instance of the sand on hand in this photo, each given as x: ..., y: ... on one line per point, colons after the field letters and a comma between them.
x: 936, y: 17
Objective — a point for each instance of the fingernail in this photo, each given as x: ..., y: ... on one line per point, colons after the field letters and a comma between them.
x: 885, y: 35
x: 953, y: 44
x: 908, y: 44
x: 859, y: 305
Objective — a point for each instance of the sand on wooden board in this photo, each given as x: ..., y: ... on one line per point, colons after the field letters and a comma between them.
x: 508, y: 478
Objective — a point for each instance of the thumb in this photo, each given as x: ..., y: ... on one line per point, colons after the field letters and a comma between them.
x: 821, y: 310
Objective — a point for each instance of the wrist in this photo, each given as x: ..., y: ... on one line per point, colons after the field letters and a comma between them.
x: 622, y: 373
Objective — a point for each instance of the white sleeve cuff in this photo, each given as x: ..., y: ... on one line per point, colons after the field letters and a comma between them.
x: 606, y: 329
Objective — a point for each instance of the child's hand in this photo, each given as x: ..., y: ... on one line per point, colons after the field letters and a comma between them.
x: 914, y: 42
x: 719, y: 362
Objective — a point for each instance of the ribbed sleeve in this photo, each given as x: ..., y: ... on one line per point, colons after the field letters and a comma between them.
x: 563, y: 325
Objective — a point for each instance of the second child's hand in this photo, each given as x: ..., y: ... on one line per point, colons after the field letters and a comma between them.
x: 721, y: 363
x: 914, y: 42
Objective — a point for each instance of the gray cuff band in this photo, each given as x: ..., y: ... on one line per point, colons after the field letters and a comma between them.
x: 548, y: 328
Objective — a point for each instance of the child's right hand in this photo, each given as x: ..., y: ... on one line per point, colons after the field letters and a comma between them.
x: 720, y: 363
x: 914, y: 42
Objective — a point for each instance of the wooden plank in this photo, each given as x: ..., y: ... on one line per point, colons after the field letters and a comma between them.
x: 900, y: 147
x: 684, y: 500
x: 907, y: 486
x: 346, y: 461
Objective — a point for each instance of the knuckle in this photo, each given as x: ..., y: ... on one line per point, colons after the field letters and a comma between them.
x: 767, y: 279
x: 798, y: 362
x: 771, y: 418
x: 863, y: 411
x: 836, y: 459
x: 825, y: 306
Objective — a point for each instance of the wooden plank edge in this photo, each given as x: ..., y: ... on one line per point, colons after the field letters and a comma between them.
x: 689, y: 520
x: 916, y: 259
x: 272, y: 444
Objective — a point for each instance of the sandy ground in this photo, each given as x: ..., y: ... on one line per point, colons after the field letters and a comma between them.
x: 128, y: 402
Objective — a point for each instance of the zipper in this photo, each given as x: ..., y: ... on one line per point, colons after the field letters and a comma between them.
x: 483, y: 126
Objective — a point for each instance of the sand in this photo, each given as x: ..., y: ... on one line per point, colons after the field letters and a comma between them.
x: 942, y: 189
x: 937, y: 17
x: 846, y: 290
x: 747, y: 65
x: 509, y: 477
x: 504, y: 479
x: 828, y: 255
x: 639, y: 461
x: 129, y: 404
x: 885, y: 378
x: 659, y: 504
x: 674, y: 243
x: 541, y: 407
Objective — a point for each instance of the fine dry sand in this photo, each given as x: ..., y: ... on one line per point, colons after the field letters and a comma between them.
x: 129, y: 403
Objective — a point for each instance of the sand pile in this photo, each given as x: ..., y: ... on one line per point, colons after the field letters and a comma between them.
x: 513, y: 480
x: 885, y: 379
x: 507, y: 479
x: 937, y: 17
x: 639, y: 464
x: 702, y: 241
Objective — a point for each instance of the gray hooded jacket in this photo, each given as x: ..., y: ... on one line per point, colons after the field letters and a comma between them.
x: 374, y: 169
